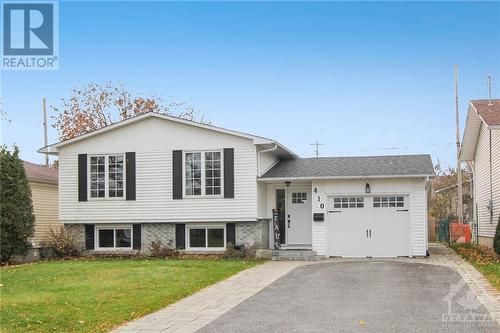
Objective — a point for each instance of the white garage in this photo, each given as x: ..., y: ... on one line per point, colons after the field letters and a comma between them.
x: 373, y: 206
x: 368, y: 226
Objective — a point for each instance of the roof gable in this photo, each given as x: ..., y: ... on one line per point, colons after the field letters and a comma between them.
x: 480, y: 113
x: 258, y: 140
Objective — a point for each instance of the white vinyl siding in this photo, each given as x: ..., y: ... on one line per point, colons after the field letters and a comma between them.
x: 266, y: 161
x: 482, y: 180
x: 153, y: 141
x: 44, y: 197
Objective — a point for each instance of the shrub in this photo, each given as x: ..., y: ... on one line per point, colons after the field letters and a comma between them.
x: 234, y: 252
x: 240, y: 251
x: 158, y: 250
x: 496, y: 240
x: 17, y: 219
x: 61, y: 243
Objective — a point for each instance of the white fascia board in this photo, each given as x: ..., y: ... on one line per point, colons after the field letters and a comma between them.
x: 471, y: 134
x: 52, y: 149
x: 282, y: 179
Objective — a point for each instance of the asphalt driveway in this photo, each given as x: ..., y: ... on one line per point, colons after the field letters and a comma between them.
x: 366, y: 296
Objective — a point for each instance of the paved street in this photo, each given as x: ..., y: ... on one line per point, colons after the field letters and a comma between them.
x: 368, y: 296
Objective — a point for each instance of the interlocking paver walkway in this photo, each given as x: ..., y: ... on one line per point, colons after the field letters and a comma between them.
x: 201, y: 308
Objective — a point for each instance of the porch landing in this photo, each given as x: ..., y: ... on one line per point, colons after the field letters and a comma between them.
x: 295, y: 255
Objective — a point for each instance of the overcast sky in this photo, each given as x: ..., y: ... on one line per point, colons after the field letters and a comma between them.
x: 362, y: 78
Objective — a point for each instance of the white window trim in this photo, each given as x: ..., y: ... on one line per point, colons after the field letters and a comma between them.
x: 205, y: 226
x: 113, y: 227
x: 202, y: 195
x: 106, y: 177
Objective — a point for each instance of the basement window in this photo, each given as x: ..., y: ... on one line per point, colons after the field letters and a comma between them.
x: 113, y: 238
x: 208, y: 238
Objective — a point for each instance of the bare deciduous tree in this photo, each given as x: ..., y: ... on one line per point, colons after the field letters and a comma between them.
x: 95, y: 105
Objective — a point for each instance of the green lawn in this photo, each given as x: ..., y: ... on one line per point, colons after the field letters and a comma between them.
x: 96, y: 295
x: 485, y: 260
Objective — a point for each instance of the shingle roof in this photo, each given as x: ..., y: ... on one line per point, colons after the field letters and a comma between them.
x: 40, y: 173
x: 351, y: 167
x: 489, y: 113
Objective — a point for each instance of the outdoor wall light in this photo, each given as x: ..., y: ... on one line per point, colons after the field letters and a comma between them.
x: 367, y: 188
x: 287, y: 184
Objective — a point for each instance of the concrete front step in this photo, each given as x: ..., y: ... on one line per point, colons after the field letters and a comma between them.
x: 295, y: 255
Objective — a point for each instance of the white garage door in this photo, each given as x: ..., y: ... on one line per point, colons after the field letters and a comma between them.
x: 368, y: 226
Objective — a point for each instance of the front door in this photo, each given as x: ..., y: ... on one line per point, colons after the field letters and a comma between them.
x: 299, y: 220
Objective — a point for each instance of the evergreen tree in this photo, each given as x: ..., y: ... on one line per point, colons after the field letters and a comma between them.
x: 496, y: 240
x: 16, y: 209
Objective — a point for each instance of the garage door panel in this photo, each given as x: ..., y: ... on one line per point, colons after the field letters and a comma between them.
x: 373, y: 230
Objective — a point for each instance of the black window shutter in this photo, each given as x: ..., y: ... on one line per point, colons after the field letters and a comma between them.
x: 89, y: 236
x: 82, y: 177
x: 130, y: 174
x: 137, y: 236
x: 180, y: 236
x: 230, y: 233
x: 177, y: 174
x: 228, y: 173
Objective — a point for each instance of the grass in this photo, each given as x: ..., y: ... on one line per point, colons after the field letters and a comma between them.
x: 484, y: 259
x: 97, y: 295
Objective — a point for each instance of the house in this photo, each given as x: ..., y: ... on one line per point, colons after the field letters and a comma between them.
x: 198, y: 187
x: 481, y: 150
x: 43, y: 184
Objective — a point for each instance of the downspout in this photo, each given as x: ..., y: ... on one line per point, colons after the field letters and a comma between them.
x: 258, y: 157
x: 490, y: 205
x: 473, y: 208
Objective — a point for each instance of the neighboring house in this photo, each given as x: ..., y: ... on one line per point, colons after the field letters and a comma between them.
x: 43, y: 184
x: 481, y: 150
x: 199, y: 187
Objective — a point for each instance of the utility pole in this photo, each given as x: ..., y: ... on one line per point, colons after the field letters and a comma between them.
x: 459, y: 168
x: 46, y: 143
x: 316, y: 150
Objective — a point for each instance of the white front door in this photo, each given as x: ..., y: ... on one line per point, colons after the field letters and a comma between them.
x: 298, y: 216
x: 368, y: 226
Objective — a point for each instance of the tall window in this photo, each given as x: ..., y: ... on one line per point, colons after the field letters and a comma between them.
x: 193, y: 173
x: 115, y: 171
x: 212, y: 173
x: 97, y: 176
x: 106, y: 176
x: 203, y: 173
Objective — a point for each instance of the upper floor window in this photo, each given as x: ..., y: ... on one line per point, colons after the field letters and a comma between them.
x: 203, y: 173
x: 106, y: 176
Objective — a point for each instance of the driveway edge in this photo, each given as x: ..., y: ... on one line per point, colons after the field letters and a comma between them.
x: 194, y: 312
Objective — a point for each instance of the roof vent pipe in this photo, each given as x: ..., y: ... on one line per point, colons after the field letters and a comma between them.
x: 488, y: 79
